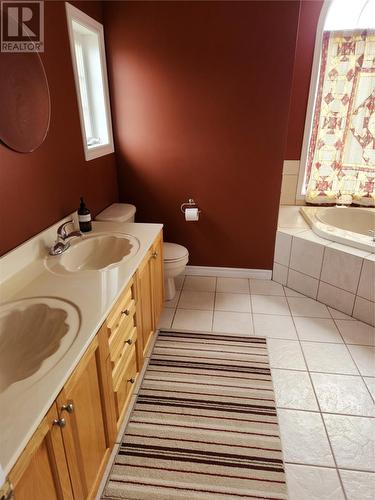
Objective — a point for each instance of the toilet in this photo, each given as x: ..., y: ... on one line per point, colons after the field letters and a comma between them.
x: 175, y: 259
x: 175, y: 256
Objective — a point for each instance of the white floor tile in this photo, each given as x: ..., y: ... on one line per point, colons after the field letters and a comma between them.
x: 293, y: 390
x: 358, y: 485
x: 339, y: 315
x: 285, y: 354
x: 200, y: 283
x: 370, y: 382
x: 267, y: 304
x: 352, y: 440
x: 166, y: 318
x: 364, y: 356
x: 303, y: 438
x: 317, y: 329
x: 356, y: 332
x: 312, y: 483
x: 235, y: 302
x: 186, y: 319
x: 328, y: 358
x: 232, y: 322
x: 292, y: 293
x: 265, y: 287
x: 196, y: 300
x: 343, y: 394
x: 234, y: 285
x: 273, y: 326
x: 308, y: 307
x: 173, y: 303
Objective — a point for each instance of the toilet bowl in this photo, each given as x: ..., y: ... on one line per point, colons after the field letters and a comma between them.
x: 175, y: 259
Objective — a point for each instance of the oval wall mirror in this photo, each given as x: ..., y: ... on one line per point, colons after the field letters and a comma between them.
x: 24, y: 101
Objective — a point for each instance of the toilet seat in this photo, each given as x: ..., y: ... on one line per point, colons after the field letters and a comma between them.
x: 174, y: 253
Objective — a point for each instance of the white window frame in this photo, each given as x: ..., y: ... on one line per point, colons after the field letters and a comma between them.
x: 300, y: 195
x: 74, y: 14
x: 314, y: 82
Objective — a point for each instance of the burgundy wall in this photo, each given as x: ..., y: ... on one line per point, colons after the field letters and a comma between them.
x: 200, y: 94
x: 39, y: 188
x: 308, y: 22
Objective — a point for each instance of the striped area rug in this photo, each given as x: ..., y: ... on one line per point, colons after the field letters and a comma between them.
x: 204, y: 425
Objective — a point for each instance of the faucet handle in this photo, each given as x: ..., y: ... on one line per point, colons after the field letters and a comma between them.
x: 61, y: 231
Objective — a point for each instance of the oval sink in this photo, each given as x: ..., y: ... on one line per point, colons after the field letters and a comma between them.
x: 95, y: 252
x: 35, y: 334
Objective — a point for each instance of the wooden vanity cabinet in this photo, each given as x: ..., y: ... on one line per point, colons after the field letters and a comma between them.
x: 150, y: 292
x: 157, y: 278
x: 42, y: 471
x: 89, y: 433
x: 66, y: 457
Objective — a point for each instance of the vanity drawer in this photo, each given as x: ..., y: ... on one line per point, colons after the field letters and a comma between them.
x: 119, y: 311
x: 122, y: 355
x: 125, y: 384
x: 123, y: 329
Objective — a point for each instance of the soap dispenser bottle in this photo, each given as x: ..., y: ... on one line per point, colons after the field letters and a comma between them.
x: 84, y: 217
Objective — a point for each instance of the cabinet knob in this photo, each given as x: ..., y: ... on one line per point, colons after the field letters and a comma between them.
x: 126, y: 312
x: 131, y: 380
x: 154, y: 255
x: 61, y: 422
x: 129, y: 341
x: 68, y: 407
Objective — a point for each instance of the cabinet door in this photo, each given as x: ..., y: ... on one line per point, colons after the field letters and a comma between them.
x: 88, y: 435
x: 145, y: 326
x: 157, y: 280
x: 41, y: 472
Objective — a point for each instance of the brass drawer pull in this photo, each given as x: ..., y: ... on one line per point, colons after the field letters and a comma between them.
x: 154, y: 255
x: 126, y: 312
x: 131, y: 380
x: 129, y: 341
x: 68, y: 407
x: 61, y: 422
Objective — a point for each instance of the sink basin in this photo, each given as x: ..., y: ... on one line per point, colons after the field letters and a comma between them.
x: 35, y: 334
x: 95, y: 252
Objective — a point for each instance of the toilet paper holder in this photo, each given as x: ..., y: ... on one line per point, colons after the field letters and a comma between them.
x: 189, y: 204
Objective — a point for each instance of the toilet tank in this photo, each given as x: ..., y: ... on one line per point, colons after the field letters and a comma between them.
x: 118, y: 212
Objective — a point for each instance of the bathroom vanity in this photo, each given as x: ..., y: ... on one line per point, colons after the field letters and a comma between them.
x: 58, y: 431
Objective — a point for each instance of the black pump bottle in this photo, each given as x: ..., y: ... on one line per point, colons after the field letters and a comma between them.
x: 84, y: 217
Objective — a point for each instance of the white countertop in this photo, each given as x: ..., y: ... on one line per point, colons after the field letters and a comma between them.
x: 24, y: 404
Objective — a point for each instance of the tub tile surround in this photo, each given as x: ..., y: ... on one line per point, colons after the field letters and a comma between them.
x: 323, y: 369
x: 337, y: 275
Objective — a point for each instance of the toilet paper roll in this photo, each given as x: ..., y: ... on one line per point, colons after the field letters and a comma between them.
x: 191, y: 214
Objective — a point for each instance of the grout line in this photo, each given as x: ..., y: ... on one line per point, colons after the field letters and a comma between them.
x: 326, y: 412
x: 330, y: 467
x: 320, y: 410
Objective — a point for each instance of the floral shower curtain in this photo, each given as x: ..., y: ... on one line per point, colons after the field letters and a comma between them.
x: 341, y: 157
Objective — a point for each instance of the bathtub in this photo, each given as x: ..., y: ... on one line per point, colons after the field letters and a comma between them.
x: 347, y: 225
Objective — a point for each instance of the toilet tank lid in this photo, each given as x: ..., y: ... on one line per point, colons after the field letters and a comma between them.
x: 117, y: 212
x: 172, y: 251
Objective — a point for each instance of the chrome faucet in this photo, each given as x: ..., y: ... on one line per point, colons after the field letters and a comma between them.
x: 61, y: 244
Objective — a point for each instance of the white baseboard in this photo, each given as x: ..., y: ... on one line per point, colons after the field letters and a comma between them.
x: 229, y: 272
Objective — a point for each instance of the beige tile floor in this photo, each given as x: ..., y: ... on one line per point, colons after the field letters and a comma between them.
x: 323, y: 367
